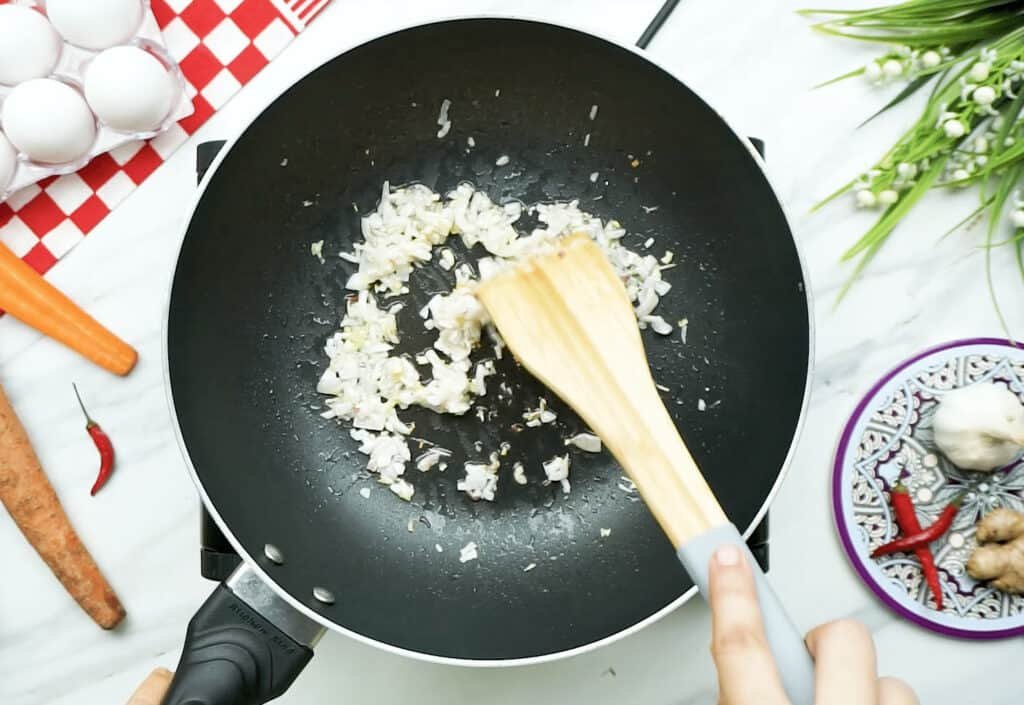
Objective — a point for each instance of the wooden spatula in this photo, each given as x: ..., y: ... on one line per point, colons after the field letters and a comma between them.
x: 566, y: 317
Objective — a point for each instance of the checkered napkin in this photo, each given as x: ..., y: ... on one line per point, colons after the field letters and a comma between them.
x: 220, y: 45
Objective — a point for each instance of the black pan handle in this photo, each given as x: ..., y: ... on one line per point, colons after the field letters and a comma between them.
x: 244, y: 646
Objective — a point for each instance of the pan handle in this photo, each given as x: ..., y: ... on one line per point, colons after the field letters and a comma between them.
x: 244, y: 646
x: 796, y: 669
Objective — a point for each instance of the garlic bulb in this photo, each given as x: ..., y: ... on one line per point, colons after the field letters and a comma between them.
x: 980, y: 427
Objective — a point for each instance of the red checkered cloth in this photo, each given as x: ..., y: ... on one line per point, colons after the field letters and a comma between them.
x: 220, y: 45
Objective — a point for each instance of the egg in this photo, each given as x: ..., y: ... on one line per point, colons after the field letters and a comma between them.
x: 49, y: 121
x: 29, y: 46
x: 140, y: 109
x: 8, y: 162
x: 95, y: 24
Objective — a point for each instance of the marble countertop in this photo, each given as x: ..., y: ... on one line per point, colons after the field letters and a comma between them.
x: 756, y: 66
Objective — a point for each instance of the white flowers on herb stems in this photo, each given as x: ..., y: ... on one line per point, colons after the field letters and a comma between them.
x: 892, y: 68
x: 888, y: 197
x: 954, y: 129
x: 930, y: 59
x: 984, y: 95
x: 904, y: 62
x: 969, y: 130
x: 866, y: 198
x: 979, y: 71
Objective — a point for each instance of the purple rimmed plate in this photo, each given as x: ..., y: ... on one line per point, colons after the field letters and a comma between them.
x: 888, y: 438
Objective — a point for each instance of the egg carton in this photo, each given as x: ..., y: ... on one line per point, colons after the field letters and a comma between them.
x: 96, y: 27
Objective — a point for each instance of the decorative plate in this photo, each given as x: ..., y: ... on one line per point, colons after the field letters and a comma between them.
x: 889, y: 438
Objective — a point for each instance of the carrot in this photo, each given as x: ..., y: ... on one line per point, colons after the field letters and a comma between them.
x: 32, y: 300
x: 35, y: 508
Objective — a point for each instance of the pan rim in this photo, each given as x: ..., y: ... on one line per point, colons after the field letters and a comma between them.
x: 324, y: 621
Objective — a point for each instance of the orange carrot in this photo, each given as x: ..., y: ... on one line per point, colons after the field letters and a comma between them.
x: 32, y: 300
x: 35, y: 508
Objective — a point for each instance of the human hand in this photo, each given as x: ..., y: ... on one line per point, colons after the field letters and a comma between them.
x: 843, y: 651
x: 153, y: 689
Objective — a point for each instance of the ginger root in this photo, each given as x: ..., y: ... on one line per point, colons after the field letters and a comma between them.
x: 999, y: 556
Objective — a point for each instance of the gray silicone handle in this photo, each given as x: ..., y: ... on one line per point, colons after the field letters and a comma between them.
x: 787, y: 644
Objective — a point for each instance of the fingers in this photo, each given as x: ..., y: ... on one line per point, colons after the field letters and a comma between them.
x: 746, y: 669
x: 152, y: 690
x: 844, y: 664
x: 893, y: 691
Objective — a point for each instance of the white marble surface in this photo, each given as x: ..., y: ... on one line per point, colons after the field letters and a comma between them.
x: 754, y: 62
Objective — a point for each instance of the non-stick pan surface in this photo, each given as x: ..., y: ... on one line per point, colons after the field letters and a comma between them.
x: 251, y: 309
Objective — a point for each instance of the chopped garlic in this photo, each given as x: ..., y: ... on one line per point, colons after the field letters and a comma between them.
x: 471, y: 142
x: 593, y: 112
x: 667, y: 257
x: 701, y: 405
x: 518, y: 474
x: 557, y: 470
x: 585, y: 441
x: 365, y: 492
x: 431, y: 458
x: 541, y: 415
x: 403, y: 489
x: 658, y: 324
x: 683, y: 324
x: 437, y: 547
x: 410, y: 526
x: 605, y: 533
x: 594, y: 177
x: 368, y: 384
x: 442, y: 119
x: 447, y: 260
x: 317, y: 250
x: 468, y: 553
x: 481, y: 480
x: 648, y: 242
x: 529, y: 567
x: 502, y: 160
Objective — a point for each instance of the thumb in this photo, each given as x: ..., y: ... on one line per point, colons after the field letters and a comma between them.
x: 746, y: 670
x: 152, y: 690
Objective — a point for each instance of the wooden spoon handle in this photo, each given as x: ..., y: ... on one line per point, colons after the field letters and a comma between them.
x: 29, y: 497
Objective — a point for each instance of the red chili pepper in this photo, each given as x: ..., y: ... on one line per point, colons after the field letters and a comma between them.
x: 906, y: 519
x: 925, y: 536
x: 102, y: 442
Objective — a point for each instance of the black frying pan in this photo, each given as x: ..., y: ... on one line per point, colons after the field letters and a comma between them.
x: 251, y: 308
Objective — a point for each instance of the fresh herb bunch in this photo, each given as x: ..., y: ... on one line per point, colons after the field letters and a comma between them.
x: 971, y: 131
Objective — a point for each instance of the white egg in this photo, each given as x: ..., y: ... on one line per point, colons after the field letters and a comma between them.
x: 29, y: 46
x: 140, y: 109
x: 49, y: 121
x: 8, y: 162
x: 95, y: 24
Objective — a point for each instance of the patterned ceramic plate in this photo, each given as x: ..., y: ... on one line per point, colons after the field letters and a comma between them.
x: 890, y: 438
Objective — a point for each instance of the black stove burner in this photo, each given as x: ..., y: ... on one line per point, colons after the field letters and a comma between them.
x: 218, y: 559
